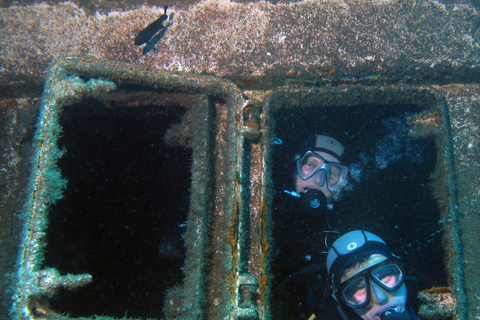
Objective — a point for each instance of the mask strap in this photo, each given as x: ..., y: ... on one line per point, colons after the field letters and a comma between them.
x: 412, y: 314
x: 339, y: 308
x: 342, y: 313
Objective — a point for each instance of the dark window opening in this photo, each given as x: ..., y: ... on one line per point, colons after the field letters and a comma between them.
x: 123, y: 212
x: 392, y: 195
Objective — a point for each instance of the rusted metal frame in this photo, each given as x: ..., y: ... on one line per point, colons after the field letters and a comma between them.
x: 426, y: 96
x: 186, y: 300
x: 268, y: 126
x: 434, y: 103
x: 34, y: 284
x: 263, y: 218
x: 251, y: 304
x: 221, y: 291
x: 455, y: 233
x: 120, y: 73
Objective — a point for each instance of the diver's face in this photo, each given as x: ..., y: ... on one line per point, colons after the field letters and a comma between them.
x: 314, y: 182
x: 380, y: 299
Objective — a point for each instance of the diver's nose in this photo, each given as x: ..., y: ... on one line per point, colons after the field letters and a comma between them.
x: 319, y: 178
x: 378, y: 294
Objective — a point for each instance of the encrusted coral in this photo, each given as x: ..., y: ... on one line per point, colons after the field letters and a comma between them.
x: 32, y: 36
x: 407, y: 40
x: 437, y: 303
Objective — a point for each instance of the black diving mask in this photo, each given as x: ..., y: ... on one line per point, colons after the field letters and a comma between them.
x: 332, y: 173
x: 388, y: 275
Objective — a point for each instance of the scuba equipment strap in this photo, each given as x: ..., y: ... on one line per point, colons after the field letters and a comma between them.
x: 342, y: 313
x: 315, y: 204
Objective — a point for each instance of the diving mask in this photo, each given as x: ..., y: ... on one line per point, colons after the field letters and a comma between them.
x: 388, y: 275
x: 313, y: 165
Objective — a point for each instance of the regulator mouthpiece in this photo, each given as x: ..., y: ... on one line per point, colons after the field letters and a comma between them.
x: 315, y: 202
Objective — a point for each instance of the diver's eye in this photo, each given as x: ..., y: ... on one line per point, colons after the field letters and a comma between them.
x: 356, y: 292
x: 390, y: 275
x: 334, y: 173
x: 310, y: 164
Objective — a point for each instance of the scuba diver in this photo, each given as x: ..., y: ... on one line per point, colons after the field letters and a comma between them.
x: 319, y: 179
x: 306, y: 226
x: 367, y: 281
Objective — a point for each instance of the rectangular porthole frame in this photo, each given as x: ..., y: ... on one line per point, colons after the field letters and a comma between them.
x: 239, y: 198
x: 351, y: 96
x: 210, y: 270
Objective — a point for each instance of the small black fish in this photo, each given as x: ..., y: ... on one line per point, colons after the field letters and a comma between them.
x: 152, y: 42
x: 147, y: 33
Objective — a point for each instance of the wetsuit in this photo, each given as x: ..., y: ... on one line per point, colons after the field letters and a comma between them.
x: 298, y: 266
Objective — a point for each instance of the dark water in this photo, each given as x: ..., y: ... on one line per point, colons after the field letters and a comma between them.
x: 127, y: 194
x: 390, y: 193
x: 123, y: 213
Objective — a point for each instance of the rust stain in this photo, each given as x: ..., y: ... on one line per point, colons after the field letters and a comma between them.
x: 430, y: 119
x: 252, y: 125
x: 263, y: 285
x: 437, y: 290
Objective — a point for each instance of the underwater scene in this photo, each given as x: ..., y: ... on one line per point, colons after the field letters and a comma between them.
x: 241, y: 160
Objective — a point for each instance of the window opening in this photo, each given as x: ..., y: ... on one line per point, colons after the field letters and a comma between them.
x: 124, y: 209
x: 391, y: 192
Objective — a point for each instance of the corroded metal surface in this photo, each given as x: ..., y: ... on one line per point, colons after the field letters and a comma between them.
x: 259, y: 46
x: 463, y: 102
x: 45, y: 187
x: 437, y: 304
x: 232, y: 201
x: 319, y: 41
x: 432, y: 121
x: 17, y: 123
x: 210, y: 266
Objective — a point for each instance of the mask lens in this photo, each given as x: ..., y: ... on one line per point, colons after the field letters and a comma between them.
x: 356, y: 293
x: 308, y: 165
x: 337, y: 175
x: 311, y: 163
x: 389, y: 276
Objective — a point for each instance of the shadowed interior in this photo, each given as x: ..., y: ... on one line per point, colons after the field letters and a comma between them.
x: 394, y: 196
x: 122, y: 215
